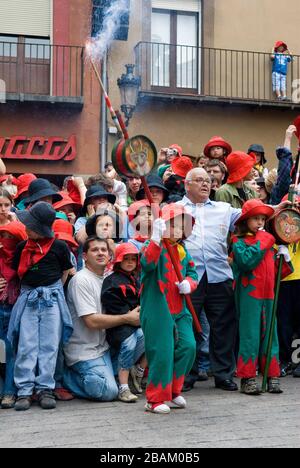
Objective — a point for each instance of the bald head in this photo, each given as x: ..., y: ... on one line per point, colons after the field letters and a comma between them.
x: 198, y: 185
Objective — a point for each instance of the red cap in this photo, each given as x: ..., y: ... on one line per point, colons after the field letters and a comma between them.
x: 253, y: 208
x: 66, y: 200
x: 63, y: 230
x: 217, y: 141
x: 177, y: 148
x: 173, y: 210
x: 6, y: 176
x: 239, y: 164
x: 24, y: 181
x: 73, y: 191
x: 16, y: 229
x: 279, y: 44
x: 181, y: 166
x: 124, y: 249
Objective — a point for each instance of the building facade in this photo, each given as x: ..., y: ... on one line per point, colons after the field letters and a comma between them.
x: 205, y: 69
x: 50, y: 122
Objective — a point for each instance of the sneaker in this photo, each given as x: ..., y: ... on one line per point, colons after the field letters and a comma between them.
x: 250, y: 387
x: 127, y: 397
x: 62, y: 394
x: 274, y: 386
x: 296, y: 372
x: 8, y: 401
x: 159, y: 408
x: 202, y: 376
x: 47, y: 400
x: 136, y: 380
x: 179, y: 401
x: 23, y: 403
x: 286, y: 369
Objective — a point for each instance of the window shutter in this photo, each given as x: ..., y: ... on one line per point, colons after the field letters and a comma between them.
x: 25, y: 17
x: 179, y: 5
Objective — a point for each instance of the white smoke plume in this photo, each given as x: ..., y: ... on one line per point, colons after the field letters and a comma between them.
x: 97, y: 47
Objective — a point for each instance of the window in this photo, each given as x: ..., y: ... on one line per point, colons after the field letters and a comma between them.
x: 37, y: 48
x: 174, y: 54
x: 8, y: 46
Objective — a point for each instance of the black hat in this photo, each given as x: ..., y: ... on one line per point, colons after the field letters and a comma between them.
x: 39, y: 218
x: 39, y: 189
x: 153, y: 181
x: 90, y: 226
x: 258, y: 149
x: 97, y: 191
x: 261, y: 182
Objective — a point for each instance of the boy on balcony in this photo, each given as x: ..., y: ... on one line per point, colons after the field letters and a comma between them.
x: 281, y: 57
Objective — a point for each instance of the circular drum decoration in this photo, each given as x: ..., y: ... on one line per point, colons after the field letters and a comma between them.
x: 136, y: 156
x: 285, y: 226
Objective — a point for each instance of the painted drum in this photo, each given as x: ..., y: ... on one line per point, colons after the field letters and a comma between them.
x: 136, y: 156
x: 285, y: 226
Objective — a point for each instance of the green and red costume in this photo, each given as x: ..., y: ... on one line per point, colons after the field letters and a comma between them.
x: 166, y: 322
x: 255, y: 267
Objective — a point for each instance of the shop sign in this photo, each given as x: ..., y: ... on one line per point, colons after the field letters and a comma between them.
x: 38, y: 148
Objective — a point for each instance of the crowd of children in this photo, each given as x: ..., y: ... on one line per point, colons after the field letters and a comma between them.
x: 132, y: 305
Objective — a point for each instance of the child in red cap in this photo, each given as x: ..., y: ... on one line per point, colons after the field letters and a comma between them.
x: 166, y: 322
x: 120, y: 295
x: 254, y: 266
x: 281, y: 57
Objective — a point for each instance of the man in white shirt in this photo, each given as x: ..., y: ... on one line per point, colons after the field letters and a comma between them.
x: 90, y: 373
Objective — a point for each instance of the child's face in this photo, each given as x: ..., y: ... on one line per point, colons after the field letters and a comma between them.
x: 6, y: 235
x: 144, y: 221
x: 256, y: 223
x: 105, y: 227
x: 33, y: 235
x: 175, y: 229
x: 216, y: 152
x: 129, y: 263
x: 5, y: 207
x: 281, y: 49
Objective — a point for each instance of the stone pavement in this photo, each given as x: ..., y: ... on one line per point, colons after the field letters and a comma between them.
x: 213, y: 419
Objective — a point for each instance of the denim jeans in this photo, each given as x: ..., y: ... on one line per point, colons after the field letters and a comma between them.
x: 93, y: 379
x: 130, y: 351
x: 203, y: 344
x: 40, y: 335
x: 9, y: 386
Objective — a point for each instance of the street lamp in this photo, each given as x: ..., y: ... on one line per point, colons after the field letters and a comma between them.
x: 129, y: 85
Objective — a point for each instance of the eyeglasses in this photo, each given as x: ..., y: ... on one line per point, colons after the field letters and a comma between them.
x: 201, y: 181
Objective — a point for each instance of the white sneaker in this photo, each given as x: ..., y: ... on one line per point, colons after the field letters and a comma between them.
x: 179, y: 401
x: 160, y: 409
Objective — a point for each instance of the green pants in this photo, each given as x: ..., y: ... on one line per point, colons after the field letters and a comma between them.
x: 170, y: 350
x: 255, y: 323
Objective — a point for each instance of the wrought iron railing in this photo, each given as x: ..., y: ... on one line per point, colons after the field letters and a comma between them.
x: 42, y: 69
x: 216, y: 73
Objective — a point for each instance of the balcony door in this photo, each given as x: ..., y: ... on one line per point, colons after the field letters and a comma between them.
x: 25, y: 64
x: 174, y: 51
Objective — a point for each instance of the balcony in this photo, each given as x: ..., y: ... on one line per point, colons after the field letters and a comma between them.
x: 44, y: 73
x: 186, y: 73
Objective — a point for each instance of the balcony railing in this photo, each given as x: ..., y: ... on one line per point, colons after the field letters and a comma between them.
x: 42, y: 71
x: 229, y: 75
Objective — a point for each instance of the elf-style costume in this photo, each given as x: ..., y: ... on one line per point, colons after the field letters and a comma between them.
x: 255, y: 271
x: 166, y: 322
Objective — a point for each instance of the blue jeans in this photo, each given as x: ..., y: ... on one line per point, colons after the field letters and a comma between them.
x: 130, y: 351
x: 40, y: 335
x: 203, y: 344
x: 9, y: 386
x: 93, y: 379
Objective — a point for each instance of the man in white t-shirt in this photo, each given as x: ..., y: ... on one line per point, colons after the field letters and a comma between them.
x: 90, y: 373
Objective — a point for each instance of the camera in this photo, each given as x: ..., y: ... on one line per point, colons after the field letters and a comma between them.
x: 171, y: 152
